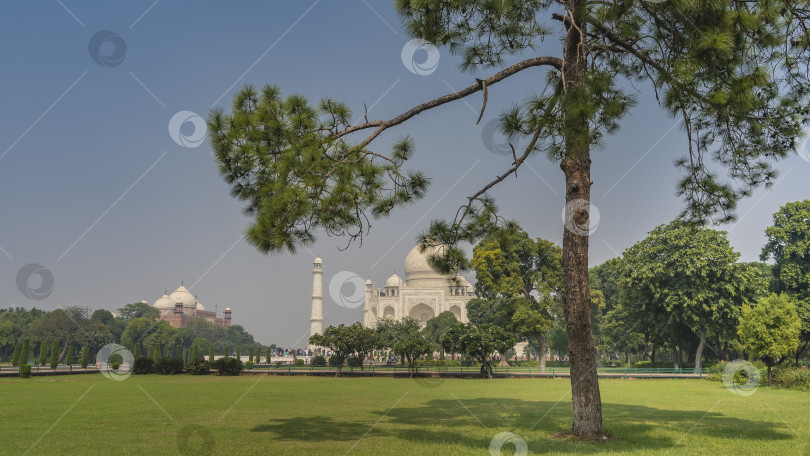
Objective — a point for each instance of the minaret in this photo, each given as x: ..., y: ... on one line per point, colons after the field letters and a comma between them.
x: 316, y: 318
x: 367, y: 316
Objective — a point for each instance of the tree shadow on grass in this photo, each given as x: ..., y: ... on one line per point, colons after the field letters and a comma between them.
x: 474, y: 422
x: 314, y: 428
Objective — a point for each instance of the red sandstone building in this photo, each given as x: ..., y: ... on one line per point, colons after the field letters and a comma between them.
x: 181, y: 308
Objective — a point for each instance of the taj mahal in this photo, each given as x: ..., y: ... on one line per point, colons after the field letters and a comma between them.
x: 423, y: 294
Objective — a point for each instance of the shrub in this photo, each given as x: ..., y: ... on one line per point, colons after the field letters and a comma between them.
x: 550, y: 363
x: 193, y: 355
x: 143, y: 366
x: 318, y: 361
x: 438, y: 362
x: 249, y: 365
x: 333, y: 360
x: 25, y: 371
x: 54, y: 354
x: 169, y: 366
x: 198, y: 367
x: 85, y: 356
x: 530, y: 363
x: 792, y: 377
x: 642, y: 365
x: 278, y: 363
x: 115, y: 366
x: 227, y: 351
x: 69, y: 358
x: 227, y: 366
x: 353, y: 361
x: 15, y: 360
x: 299, y: 362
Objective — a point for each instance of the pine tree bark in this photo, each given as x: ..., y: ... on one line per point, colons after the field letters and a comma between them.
x: 585, y: 397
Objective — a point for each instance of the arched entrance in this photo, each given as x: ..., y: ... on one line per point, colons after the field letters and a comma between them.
x: 421, y: 313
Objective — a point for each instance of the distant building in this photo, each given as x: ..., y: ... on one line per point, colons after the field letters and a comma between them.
x: 181, y: 308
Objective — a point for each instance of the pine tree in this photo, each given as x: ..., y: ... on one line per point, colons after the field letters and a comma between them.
x: 732, y: 73
x: 227, y: 352
x: 85, y: 357
x: 43, y: 353
x: 238, y: 353
x: 250, y: 358
x: 15, y: 360
x: 211, y: 354
x: 268, y: 355
x: 178, y: 352
x: 26, y: 347
x: 193, y: 355
x: 54, y: 354
x: 137, y: 351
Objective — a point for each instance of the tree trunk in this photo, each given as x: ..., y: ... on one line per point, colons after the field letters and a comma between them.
x: 799, y: 352
x: 676, y: 358
x: 541, y: 356
x: 699, y: 352
x: 652, y: 356
x: 770, y: 383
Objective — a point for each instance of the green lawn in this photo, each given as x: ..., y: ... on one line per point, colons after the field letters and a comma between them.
x: 368, y: 416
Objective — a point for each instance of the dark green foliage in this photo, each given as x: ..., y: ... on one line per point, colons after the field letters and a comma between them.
x: 169, y: 366
x: 227, y: 366
x: 26, y: 347
x: 299, y: 362
x: 250, y: 358
x: 226, y: 352
x: 85, y: 357
x: 143, y: 366
x: 787, y: 376
x: 198, y: 367
x: 211, y: 355
x: 318, y: 361
x: 43, y: 353
x: 278, y: 363
x: 353, y: 361
x: 15, y: 360
x: 193, y: 354
x: 25, y: 371
x: 249, y: 365
x: 69, y: 356
x: 178, y: 351
x: 137, y: 351
x: 268, y: 355
x: 54, y: 354
x: 238, y: 353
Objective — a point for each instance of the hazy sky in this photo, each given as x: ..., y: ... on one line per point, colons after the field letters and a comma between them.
x: 94, y: 188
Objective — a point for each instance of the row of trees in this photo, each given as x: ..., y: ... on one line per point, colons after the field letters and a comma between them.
x: 23, y: 351
x: 75, y: 327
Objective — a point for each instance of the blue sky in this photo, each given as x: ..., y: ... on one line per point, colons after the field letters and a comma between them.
x: 93, y: 187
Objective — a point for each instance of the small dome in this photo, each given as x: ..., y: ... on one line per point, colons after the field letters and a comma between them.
x: 227, y: 309
x: 318, y: 260
x: 200, y: 306
x: 368, y: 282
x: 164, y: 302
x: 462, y: 281
x: 393, y: 281
x: 182, y: 295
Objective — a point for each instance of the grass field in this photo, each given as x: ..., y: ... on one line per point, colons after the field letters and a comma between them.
x: 156, y: 415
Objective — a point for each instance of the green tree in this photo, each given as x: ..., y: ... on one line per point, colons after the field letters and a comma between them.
x: 770, y: 330
x: 114, y: 325
x: 43, y: 353
x: 478, y: 342
x: 54, y: 354
x: 227, y: 351
x: 85, y: 357
x: 24, y: 352
x: 734, y: 73
x: 15, y: 360
x: 67, y: 325
x: 683, y: 275
x: 193, y: 354
x: 268, y: 355
x: 211, y: 354
x: 138, y: 310
x: 137, y: 350
x: 252, y: 351
x: 517, y: 280
x: 436, y: 327
x: 69, y: 359
x: 789, y: 247
x: 239, y: 353
x: 411, y: 348
x: 345, y: 340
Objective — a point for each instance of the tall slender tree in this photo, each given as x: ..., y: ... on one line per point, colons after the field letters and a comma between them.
x: 734, y: 73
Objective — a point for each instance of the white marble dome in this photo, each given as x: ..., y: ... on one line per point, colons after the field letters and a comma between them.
x: 164, y: 302
x: 393, y: 281
x: 199, y: 306
x: 417, y: 270
x: 182, y: 295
